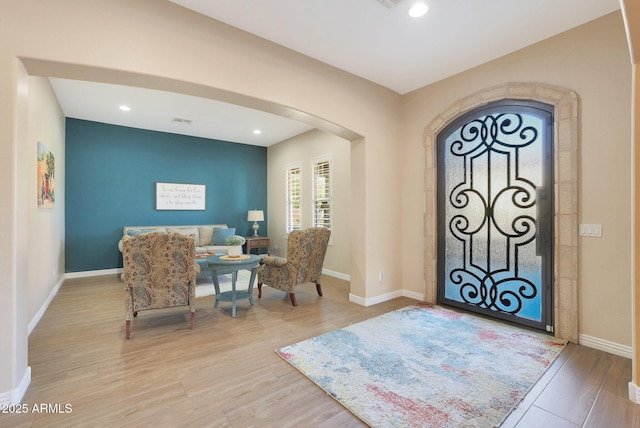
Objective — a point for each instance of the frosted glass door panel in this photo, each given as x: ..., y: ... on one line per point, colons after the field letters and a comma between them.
x: 494, y: 211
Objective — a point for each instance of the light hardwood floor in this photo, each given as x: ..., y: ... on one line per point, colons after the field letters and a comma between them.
x: 225, y: 373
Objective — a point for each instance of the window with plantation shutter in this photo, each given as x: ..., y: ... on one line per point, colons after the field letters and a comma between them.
x: 293, y: 198
x: 322, y: 191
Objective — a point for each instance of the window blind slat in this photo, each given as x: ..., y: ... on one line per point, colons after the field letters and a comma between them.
x: 293, y: 199
x: 322, y: 193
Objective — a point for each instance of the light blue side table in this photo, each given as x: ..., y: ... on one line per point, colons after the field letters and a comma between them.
x: 220, y: 265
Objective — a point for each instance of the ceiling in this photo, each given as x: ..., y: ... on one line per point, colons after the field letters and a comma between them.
x: 363, y: 37
x: 170, y: 112
x: 387, y: 46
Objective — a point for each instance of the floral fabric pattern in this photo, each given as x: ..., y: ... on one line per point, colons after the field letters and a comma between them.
x: 306, y: 250
x: 159, y: 271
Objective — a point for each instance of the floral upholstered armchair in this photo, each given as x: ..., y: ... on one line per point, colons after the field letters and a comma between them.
x: 159, y: 272
x: 306, y: 250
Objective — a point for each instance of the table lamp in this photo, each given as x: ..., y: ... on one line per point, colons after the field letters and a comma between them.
x: 255, y: 216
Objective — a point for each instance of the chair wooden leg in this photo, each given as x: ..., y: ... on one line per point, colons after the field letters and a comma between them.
x: 292, y: 296
x: 259, y: 290
x: 127, y: 329
x: 193, y: 320
x: 319, y: 288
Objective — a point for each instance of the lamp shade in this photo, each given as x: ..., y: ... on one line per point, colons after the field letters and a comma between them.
x: 255, y: 215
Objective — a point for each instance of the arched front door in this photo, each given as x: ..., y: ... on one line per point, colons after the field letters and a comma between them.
x: 495, y: 212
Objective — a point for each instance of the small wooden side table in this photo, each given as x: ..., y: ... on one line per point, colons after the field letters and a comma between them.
x: 257, y: 242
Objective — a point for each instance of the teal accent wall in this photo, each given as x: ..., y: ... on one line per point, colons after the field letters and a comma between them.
x: 111, y: 174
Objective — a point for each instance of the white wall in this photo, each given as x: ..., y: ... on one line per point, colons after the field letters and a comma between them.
x: 45, y: 226
x: 125, y: 42
x: 36, y: 268
x: 143, y: 43
x: 303, y: 148
x: 593, y: 61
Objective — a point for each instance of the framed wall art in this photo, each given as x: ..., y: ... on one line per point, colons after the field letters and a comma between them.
x: 179, y: 196
x: 46, y: 174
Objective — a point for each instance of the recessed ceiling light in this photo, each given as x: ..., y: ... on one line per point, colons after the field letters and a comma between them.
x: 257, y: 131
x: 418, y: 9
x: 124, y: 107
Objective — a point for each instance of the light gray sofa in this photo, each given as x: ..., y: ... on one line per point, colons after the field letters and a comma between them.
x: 208, y: 240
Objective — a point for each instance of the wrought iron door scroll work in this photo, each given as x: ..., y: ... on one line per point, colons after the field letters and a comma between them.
x: 495, y: 202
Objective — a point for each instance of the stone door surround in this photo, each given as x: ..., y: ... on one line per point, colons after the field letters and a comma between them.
x: 566, y: 121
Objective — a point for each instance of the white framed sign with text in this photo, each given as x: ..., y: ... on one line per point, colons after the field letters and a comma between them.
x: 180, y: 196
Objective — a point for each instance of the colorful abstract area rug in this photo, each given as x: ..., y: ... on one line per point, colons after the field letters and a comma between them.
x: 426, y: 366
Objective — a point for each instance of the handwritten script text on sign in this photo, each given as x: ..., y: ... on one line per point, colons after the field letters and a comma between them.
x: 178, y: 196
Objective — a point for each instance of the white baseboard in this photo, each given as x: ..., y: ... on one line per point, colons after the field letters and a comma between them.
x: 45, y: 305
x: 89, y: 273
x: 15, y: 396
x: 18, y: 393
x: 38, y: 316
x: 606, y: 346
x: 413, y: 295
x: 634, y: 393
x: 586, y: 340
x: 114, y: 271
x: 385, y: 297
x: 338, y: 275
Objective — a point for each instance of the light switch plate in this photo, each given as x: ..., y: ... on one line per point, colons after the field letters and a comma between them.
x: 592, y: 230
